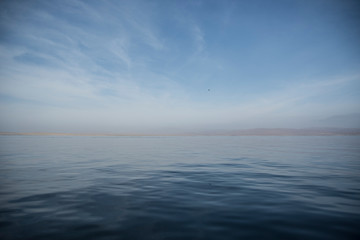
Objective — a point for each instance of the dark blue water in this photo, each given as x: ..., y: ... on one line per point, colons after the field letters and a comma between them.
x: 179, y: 187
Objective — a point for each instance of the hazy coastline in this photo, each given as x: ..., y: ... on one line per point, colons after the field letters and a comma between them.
x: 241, y: 132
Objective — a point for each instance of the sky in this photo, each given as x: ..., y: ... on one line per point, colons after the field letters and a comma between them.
x: 157, y: 66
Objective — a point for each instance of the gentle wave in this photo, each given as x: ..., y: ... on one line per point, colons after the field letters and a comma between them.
x: 179, y: 187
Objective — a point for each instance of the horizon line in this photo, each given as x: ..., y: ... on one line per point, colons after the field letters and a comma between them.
x: 235, y: 132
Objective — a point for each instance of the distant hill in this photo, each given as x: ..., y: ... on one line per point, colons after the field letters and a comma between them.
x: 285, y: 132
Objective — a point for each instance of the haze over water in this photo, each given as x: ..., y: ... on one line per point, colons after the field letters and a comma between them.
x: 75, y: 187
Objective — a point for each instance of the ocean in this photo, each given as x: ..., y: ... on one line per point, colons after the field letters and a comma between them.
x: 194, y: 187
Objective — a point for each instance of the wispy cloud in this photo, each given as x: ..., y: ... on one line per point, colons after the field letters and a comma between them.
x: 139, y: 64
x: 296, y: 104
x: 199, y: 38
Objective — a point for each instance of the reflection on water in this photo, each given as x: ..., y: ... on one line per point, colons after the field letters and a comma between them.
x: 179, y: 187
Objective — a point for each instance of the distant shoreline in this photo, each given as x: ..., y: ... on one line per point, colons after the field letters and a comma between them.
x: 244, y: 132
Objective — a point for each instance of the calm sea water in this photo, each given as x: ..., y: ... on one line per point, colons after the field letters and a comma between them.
x: 179, y: 187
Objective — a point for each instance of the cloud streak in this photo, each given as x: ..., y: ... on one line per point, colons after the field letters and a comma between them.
x: 144, y: 66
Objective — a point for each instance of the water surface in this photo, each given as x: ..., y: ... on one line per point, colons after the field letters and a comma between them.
x: 179, y: 187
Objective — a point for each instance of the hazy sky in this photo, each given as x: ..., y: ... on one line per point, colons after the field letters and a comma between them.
x: 122, y: 66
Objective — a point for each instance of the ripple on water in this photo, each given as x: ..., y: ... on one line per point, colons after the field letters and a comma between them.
x: 230, y: 188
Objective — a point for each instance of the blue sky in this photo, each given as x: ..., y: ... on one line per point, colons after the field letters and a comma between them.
x: 137, y: 66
